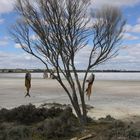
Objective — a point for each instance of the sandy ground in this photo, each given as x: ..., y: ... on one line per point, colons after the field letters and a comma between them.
x: 120, y: 99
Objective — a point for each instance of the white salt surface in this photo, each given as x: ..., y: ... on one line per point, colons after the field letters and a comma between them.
x: 118, y: 95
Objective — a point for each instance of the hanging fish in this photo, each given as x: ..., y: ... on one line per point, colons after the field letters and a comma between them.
x: 27, y: 83
x: 90, y: 81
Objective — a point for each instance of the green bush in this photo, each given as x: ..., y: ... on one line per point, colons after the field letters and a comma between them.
x: 27, y: 114
x: 30, y: 123
x: 19, y: 132
x: 12, y: 132
x: 60, y: 126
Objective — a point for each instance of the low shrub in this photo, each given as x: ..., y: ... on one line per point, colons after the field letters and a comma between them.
x: 28, y: 122
x: 27, y: 114
x: 60, y: 126
x: 14, y: 132
x: 18, y: 132
x: 108, y: 118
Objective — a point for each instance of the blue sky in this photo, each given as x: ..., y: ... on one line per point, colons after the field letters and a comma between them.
x: 12, y: 56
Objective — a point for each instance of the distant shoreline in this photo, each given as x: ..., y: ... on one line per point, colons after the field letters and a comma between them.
x: 79, y: 71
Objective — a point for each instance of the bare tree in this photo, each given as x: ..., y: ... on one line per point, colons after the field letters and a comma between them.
x: 61, y: 30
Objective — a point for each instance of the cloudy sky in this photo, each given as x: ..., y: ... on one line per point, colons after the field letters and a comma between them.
x: 12, y: 56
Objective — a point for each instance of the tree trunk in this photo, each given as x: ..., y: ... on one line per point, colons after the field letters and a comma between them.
x: 84, y: 110
x: 81, y: 113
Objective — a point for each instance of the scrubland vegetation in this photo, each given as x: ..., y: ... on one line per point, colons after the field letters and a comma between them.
x: 27, y: 122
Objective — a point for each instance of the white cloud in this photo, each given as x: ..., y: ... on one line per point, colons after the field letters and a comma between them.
x: 134, y: 50
x: 6, y: 6
x: 136, y: 28
x: 4, y: 42
x: 131, y: 53
x: 129, y: 56
x: 128, y: 36
x: 33, y: 37
x: 16, y: 60
x: 123, y: 58
x: 127, y: 59
x: 17, y: 45
x: 132, y: 28
x: 97, y: 3
x: 128, y: 28
x: 28, y: 56
x: 81, y: 59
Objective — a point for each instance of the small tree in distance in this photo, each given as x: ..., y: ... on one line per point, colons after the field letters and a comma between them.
x: 62, y: 29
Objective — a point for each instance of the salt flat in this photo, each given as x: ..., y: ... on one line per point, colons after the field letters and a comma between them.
x: 119, y: 98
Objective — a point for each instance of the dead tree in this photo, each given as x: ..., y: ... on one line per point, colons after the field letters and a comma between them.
x: 61, y: 29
